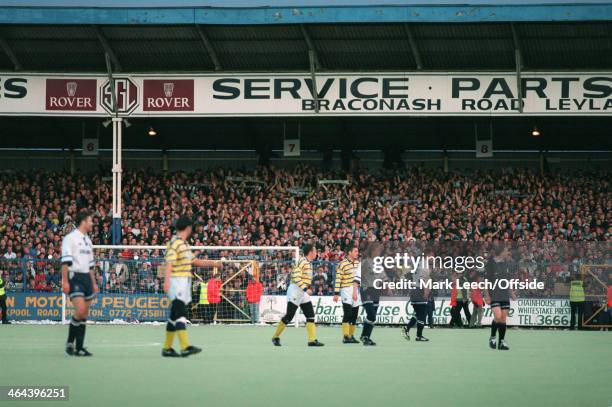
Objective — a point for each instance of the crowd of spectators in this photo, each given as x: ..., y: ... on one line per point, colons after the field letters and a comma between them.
x: 282, y: 207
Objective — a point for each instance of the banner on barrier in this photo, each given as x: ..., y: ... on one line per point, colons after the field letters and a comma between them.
x: 105, y: 307
x: 523, y: 312
x: 154, y: 307
x: 393, y: 93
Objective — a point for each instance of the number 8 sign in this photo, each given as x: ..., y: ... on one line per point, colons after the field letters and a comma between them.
x: 484, y: 148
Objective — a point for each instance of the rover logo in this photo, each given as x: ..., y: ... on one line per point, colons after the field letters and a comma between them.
x: 71, y: 94
x: 168, y: 89
x: 165, y: 95
x: 71, y: 88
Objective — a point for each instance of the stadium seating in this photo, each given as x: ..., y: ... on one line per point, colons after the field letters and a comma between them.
x: 271, y: 206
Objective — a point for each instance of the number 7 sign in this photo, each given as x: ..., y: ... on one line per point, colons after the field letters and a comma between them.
x: 292, y: 148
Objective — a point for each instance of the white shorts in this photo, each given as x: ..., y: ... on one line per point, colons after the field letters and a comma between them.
x: 296, y: 295
x: 180, y: 289
x: 346, y: 294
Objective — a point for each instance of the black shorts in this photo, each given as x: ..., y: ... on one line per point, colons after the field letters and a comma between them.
x: 501, y: 304
x: 370, y: 294
x: 80, y: 286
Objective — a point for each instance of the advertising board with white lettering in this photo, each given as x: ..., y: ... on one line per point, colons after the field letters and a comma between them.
x: 154, y: 307
x: 105, y: 307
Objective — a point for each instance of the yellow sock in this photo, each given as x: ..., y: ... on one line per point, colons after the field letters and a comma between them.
x: 279, y: 329
x: 345, y: 329
x: 312, y: 331
x: 183, y: 338
x: 352, y: 329
x: 169, y: 339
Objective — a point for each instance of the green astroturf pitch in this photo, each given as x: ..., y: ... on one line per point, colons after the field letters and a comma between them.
x: 240, y: 367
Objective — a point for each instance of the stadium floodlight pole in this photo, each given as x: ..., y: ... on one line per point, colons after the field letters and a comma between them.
x: 117, y: 147
x: 117, y: 170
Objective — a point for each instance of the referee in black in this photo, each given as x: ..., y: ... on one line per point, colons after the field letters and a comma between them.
x: 498, y: 270
x: 419, y: 296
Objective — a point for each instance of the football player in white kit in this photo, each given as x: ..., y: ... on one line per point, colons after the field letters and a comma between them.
x: 298, y: 296
x: 348, y: 274
x: 78, y: 279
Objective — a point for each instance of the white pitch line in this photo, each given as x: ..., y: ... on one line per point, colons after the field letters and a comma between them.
x: 53, y: 345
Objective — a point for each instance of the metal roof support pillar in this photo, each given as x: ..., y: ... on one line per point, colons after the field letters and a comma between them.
x: 165, y: 161
x: 314, y: 63
x: 313, y: 77
x: 107, y: 48
x: 311, y: 47
x: 519, y: 87
x: 518, y: 61
x: 72, y: 162
x: 416, y: 54
x: 445, y: 161
x: 209, y: 48
x: 10, y: 54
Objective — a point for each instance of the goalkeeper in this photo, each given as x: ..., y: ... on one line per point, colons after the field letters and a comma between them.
x: 298, y: 295
x: 177, y: 284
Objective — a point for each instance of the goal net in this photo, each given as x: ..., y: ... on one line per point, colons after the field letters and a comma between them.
x: 130, y: 279
x: 597, y: 280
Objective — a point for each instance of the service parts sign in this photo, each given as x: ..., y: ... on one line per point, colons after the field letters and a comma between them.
x: 418, y: 94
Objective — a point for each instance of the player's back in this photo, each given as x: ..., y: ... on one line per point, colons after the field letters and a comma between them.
x: 178, y: 255
x: 302, y: 273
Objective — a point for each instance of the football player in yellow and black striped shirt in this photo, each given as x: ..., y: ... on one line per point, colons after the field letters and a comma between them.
x: 298, y: 295
x: 348, y: 290
x: 177, y: 284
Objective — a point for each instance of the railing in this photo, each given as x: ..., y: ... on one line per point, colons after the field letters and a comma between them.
x: 118, y: 275
x: 142, y: 276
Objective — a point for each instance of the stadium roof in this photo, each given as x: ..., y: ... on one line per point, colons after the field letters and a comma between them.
x: 257, y: 35
x: 339, y: 47
x: 275, y: 36
x: 297, y: 11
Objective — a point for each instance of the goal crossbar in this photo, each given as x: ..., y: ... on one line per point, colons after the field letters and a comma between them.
x: 295, y: 249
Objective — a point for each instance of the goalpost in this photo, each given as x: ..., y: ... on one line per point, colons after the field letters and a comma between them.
x: 596, y: 292
x: 130, y: 279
